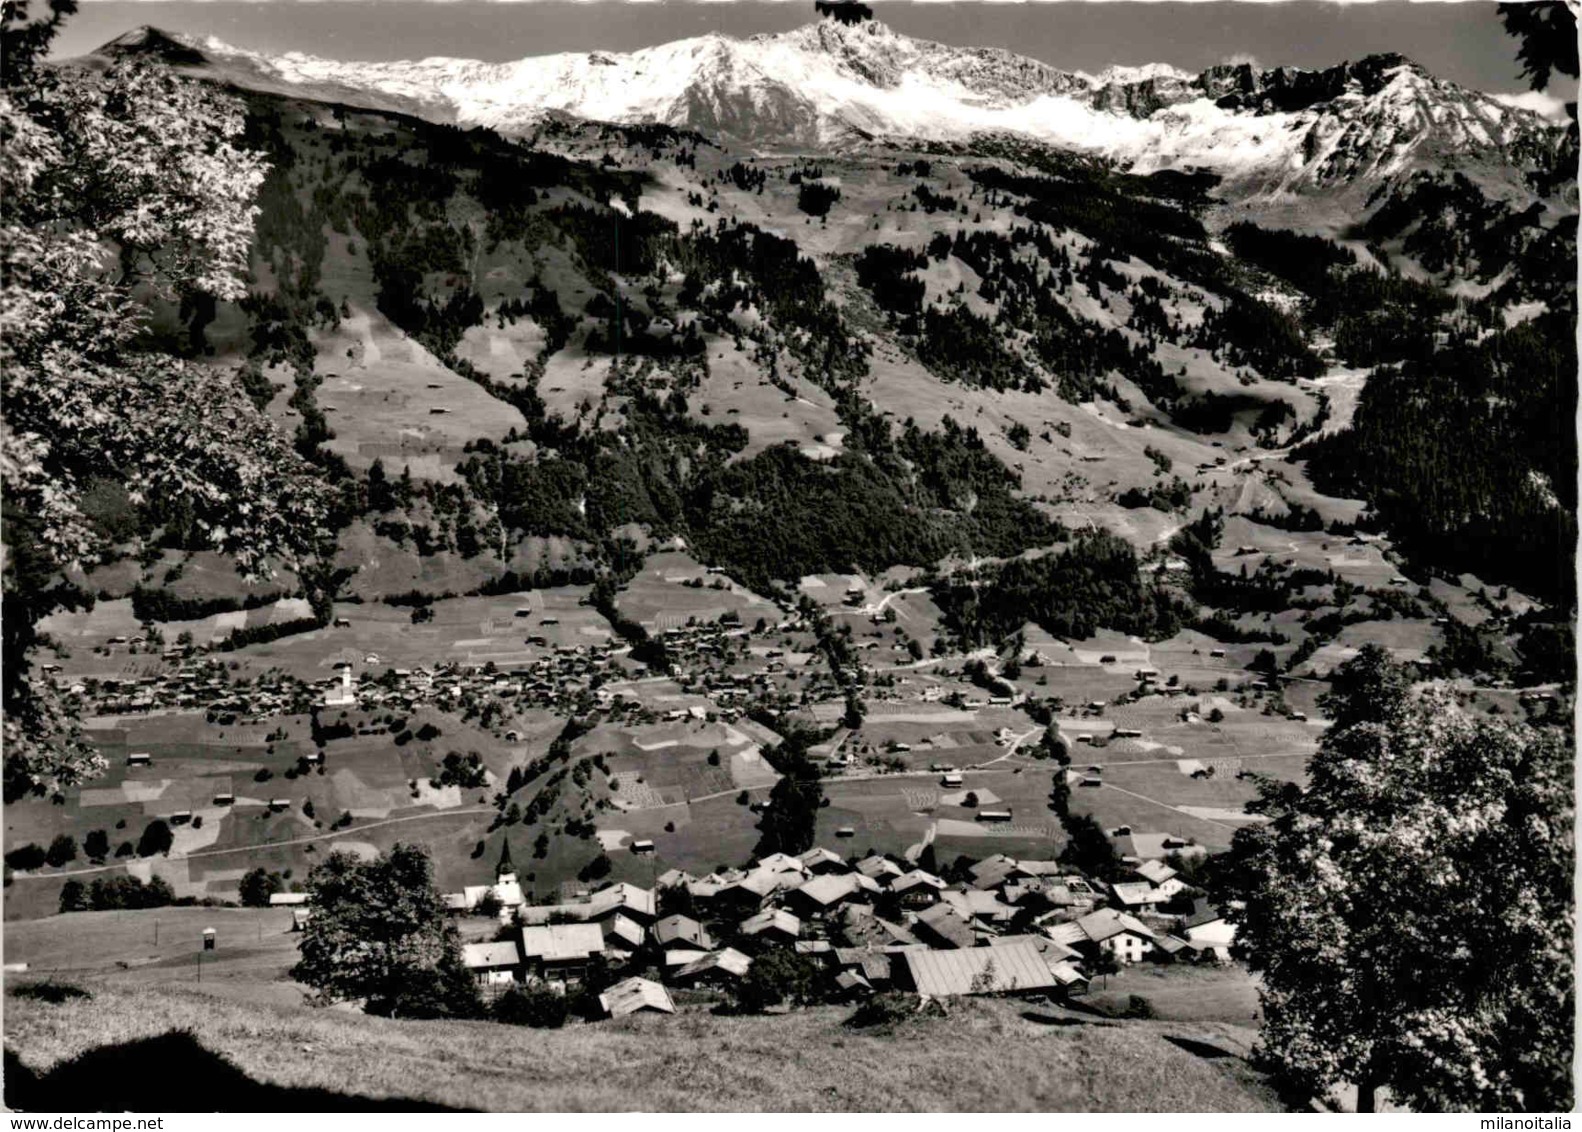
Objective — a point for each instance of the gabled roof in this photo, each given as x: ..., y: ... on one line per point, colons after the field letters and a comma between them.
x: 728, y: 959
x: 1155, y: 872
x: 872, y: 964
x: 682, y: 929
x: 1203, y: 913
x: 628, y: 931
x: 974, y: 904
x: 996, y: 862
x: 760, y: 882
x: 908, y: 881
x: 671, y: 878
x: 1045, y: 946
x: 947, y: 924
x: 876, y: 867
x: 554, y: 942
x: 818, y: 855
x: 994, y: 875
x: 827, y: 890
x: 490, y: 956
x: 1106, y: 923
x: 631, y: 995
x: 772, y: 918
x: 1066, y: 933
x: 978, y: 970
x: 780, y: 863
x: 1135, y: 894
x: 623, y: 896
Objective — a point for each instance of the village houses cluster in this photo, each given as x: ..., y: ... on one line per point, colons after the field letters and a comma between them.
x: 1007, y: 927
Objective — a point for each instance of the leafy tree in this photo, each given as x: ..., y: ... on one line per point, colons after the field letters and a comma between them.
x: 156, y: 839
x: 538, y: 1007
x: 118, y: 180
x: 379, y: 933
x: 777, y: 976
x: 1060, y: 795
x: 1410, y: 910
x: 257, y: 887
x: 74, y: 896
x: 29, y: 856
x: 790, y: 817
x: 96, y: 845
x: 62, y: 850
x: 1089, y: 848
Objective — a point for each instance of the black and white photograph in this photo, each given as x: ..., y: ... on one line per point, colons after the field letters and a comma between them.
x: 786, y: 556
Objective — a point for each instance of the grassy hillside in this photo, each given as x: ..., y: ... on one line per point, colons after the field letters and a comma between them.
x: 980, y: 1056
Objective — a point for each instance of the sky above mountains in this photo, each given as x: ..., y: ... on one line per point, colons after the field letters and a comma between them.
x: 1463, y: 42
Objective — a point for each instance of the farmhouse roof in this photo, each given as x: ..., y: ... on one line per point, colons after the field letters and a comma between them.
x: 490, y: 956
x: 626, y: 930
x: 728, y: 959
x: 780, y: 863
x: 554, y: 942
x: 627, y: 897
x: 682, y: 929
x: 1203, y: 913
x: 1107, y: 923
x: 1155, y: 872
x: 777, y: 919
x: 279, y: 899
x: 978, y: 970
x: 631, y: 995
x: 908, y: 881
x: 877, y: 866
x: 975, y: 904
x: 1135, y: 894
x: 948, y: 925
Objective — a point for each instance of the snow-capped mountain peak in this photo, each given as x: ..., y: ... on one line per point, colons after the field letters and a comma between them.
x: 833, y: 82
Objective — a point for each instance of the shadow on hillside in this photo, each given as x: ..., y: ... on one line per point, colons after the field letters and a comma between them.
x: 1059, y: 1020
x: 171, y: 1073
x: 1199, y: 1049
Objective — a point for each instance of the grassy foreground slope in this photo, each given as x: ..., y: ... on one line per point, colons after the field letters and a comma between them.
x: 983, y: 1055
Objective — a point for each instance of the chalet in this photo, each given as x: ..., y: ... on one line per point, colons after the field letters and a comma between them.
x: 773, y: 925
x: 1139, y: 894
x: 783, y: 863
x: 287, y: 899
x: 977, y: 906
x: 1015, y: 970
x: 819, y: 862
x: 642, y: 845
x: 622, y: 936
x: 878, y: 868
x: 873, y: 965
x: 943, y: 926
x: 636, y: 995
x: 825, y: 893
x: 682, y: 933
x: 994, y: 816
x: 951, y: 778
x: 1122, y: 935
x: 722, y: 968
x: 139, y: 758
x: 1165, y: 880
x: 493, y: 964
x: 623, y: 899
x: 1206, y: 926
x: 850, y: 985
x: 917, y: 889
x: 561, y: 951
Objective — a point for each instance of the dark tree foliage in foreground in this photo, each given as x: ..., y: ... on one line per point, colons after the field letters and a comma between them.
x: 1410, y: 911
x: 379, y: 933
